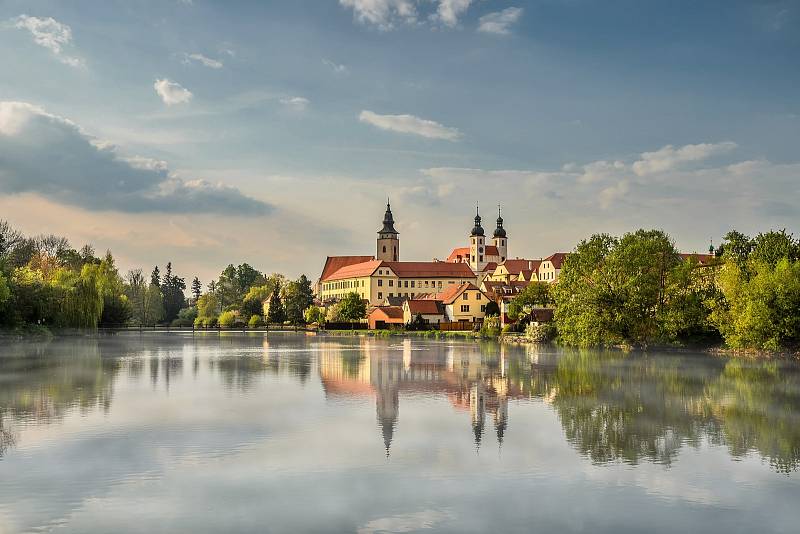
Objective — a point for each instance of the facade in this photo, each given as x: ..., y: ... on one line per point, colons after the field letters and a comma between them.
x: 463, y: 303
x: 516, y: 270
x: 385, y: 317
x: 482, y: 255
x: 431, y: 311
x: 550, y: 267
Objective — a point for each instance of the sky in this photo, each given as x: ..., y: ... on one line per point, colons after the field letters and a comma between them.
x: 206, y: 132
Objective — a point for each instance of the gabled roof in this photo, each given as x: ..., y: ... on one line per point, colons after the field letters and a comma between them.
x: 491, y: 250
x: 460, y: 252
x: 355, y: 270
x: 490, y: 267
x: 425, y: 307
x: 557, y: 259
x: 334, y: 263
x: 518, y: 265
x: 429, y: 269
x: 389, y: 312
x: 449, y: 295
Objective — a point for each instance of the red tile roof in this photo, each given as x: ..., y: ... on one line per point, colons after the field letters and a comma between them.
x: 518, y: 265
x: 449, y: 295
x: 557, y: 259
x: 702, y: 259
x: 457, y: 254
x: 429, y: 269
x: 491, y: 250
x: 491, y: 266
x: 424, y: 307
x: 391, y: 313
x: 334, y: 263
x: 355, y: 270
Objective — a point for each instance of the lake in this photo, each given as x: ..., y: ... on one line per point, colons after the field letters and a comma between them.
x: 301, y: 433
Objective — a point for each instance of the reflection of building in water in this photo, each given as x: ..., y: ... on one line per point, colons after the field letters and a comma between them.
x: 385, y: 371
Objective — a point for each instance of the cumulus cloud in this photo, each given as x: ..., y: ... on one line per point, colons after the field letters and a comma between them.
x: 172, y: 92
x: 51, y: 156
x: 449, y: 10
x: 295, y: 103
x: 410, y: 124
x: 50, y: 34
x: 383, y: 14
x: 669, y: 157
x: 203, y: 60
x: 499, y: 21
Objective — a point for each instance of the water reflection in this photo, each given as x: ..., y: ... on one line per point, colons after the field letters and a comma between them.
x: 612, y: 407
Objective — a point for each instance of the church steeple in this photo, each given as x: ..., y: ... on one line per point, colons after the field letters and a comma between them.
x: 499, y: 231
x: 388, y: 247
x: 477, y: 229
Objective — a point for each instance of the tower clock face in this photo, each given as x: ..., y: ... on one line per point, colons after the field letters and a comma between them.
x: 480, y: 249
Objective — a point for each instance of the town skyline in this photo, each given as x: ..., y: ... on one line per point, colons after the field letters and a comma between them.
x: 271, y: 133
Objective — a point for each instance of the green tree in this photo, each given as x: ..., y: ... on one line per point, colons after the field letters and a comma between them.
x: 197, y: 289
x: 352, y: 308
x: 227, y: 319
x: 314, y: 315
x: 208, y: 306
x: 492, y: 309
x: 252, y: 306
x: 153, y: 305
x: 297, y: 297
x: 276, y: 314
x: 255, y: 321
x: 534, y: 294
x: 155, y: 277
x: 172, y: 287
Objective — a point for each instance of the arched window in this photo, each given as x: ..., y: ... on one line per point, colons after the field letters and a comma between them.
x: 384, y: 248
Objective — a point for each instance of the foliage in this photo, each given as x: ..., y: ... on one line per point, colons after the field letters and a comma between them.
x: 352, y: 308
x: 197, y: 289
x: 186, y: 317
x: 251, y: 306
x: 255, y: 321
x: 172, y: 288
x: 492, y: 308
x: 226, y: 319
x: 276, y: 314
x: 314, y: 315
x: 490, y: 327
x: 297, y: 297
x: 540, y: 333
x: 534, y: 294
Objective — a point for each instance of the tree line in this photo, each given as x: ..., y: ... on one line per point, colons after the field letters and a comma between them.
x: 47, y: 283
x: 637, y: 289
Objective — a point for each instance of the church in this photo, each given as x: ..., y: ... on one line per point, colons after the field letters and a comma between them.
x: 384, y: 276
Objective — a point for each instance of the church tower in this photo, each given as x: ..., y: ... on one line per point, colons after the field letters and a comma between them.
x: 388, y: 242
x: 477, y: 241
x: 499, y: 239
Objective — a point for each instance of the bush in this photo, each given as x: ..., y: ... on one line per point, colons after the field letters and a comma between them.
x: 199, y: 322
x: 509, y: 329
x: 227, y: 319
x: 540, y: 333
x: 255, y: 322
x: 490, y: 327
x: 209, y: 322
x: 315, y: 315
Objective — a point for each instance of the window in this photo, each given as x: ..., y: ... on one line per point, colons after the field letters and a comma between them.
x: 384, y: 248
x: 380, y: 295
x: 473, y: 257
x: 391, y: 295
x: 465, y: 308
x: 483, y: 309
x: 465, y: 296
x: 481, y: 257
x: 405, y: 284
x: 440, y: 283
x: 412, y: 283
x: 380, y: 282
x: 478, y: 296
x: 391, y: 283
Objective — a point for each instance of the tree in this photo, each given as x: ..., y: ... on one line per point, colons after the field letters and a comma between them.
x: 534, y: 294
x: 153, y: 305
x: 276, y: 314
x: 252, y: 306
x: 255, y: 321
x: 492, y: 309
x: 172, y: 287
x: 227, y: 319
x: 352, y: 308
x: 135, y: 290
x: 197, y: 289
x: 314, y: 315
x: 297, y: 297
x: 208, y: 306
x: 155, y: 277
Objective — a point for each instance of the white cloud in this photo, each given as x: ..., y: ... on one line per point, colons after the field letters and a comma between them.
x: 296, y: 103
x: 172, y: 92
x: 50, y: 34
x: 411, y: 125
x: 52, y: 157
x: 200, y: 58
x: 449, y: 11
x: 337, y: 67
x: 499, y: 21
x: 598, y: 171
x: 382, y: 13
x: 669, y: 157
x: 609, y: 195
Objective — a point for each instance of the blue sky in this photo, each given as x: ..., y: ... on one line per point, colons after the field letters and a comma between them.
x: 271, y: 132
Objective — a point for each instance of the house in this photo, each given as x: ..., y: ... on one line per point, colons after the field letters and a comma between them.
x: 550, y: 267
x: 431, y: 311
x: 383, y: 317
x: 516, y: 269
x: 463, y: 303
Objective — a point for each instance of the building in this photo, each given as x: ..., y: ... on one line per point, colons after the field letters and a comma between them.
x: 516, y: 270
x: 482, y: 256
x: 550, y: 267
x: 432, y: 311
x: 382, y: 317
x: 376, y: 278
x: 463, y: 303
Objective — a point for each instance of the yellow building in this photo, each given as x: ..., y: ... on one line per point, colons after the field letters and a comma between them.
x: 551, y: 267
x: 515, y: 270
x: 463, y: 303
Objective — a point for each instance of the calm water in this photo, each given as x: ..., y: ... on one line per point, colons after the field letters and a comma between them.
x: 165, y: 433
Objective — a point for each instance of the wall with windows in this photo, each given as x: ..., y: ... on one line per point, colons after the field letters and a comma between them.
x: 469, y: 306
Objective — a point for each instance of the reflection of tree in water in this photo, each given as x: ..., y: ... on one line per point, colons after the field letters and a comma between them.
x: 242, y: 370
x: 633, y: 408
x: 44, y: 380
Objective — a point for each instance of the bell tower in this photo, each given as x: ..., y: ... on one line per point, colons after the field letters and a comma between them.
x: 388, y: 242
x: 477, y: 241
x: 499, y: 239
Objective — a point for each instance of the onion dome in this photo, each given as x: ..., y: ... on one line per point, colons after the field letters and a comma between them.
x: 499, y: 231
x: 477, y: 229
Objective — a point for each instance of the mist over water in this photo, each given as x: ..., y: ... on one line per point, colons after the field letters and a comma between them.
x: 293, y: 433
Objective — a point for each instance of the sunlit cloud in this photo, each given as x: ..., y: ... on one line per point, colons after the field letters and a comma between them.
x: 409, y: 124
